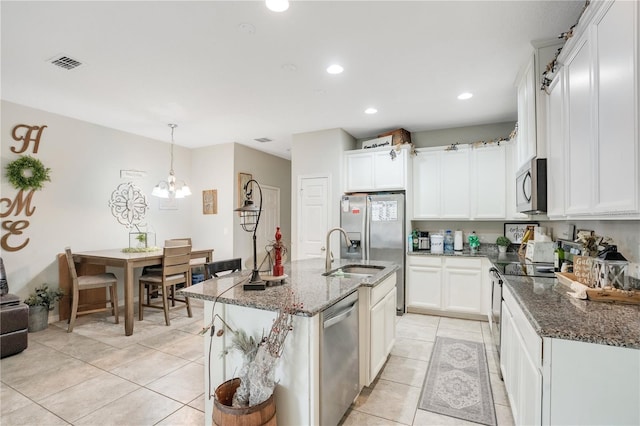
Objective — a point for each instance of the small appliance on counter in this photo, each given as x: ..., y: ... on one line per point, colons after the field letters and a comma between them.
x: 540, y: 251
x: 423, y: 241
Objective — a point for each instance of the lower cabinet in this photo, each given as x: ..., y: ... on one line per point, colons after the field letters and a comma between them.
x: 565, y: 382
x: 462, y: 285
x: 521, y: 367
x: 377, y: 327
x: 446, y: 284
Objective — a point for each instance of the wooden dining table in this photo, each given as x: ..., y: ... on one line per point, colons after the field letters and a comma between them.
x: 129, y: 262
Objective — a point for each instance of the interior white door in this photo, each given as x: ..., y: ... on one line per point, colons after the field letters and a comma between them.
x: 269, y: 220
x: 313, y: 221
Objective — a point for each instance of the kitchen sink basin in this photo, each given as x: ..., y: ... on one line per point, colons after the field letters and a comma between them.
x: 354, y: 271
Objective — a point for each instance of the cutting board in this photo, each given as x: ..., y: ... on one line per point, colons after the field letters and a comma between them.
x: 603, y: 295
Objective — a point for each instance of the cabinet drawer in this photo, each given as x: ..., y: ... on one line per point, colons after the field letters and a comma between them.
x: 461, y: 262
x: 381, y: 290
x: 425, y: 261
x: 531, y: 339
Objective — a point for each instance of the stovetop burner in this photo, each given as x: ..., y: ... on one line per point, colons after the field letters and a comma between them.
x: 541, y: 270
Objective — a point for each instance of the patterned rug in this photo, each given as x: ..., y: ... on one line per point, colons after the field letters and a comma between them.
x: 457, y: 382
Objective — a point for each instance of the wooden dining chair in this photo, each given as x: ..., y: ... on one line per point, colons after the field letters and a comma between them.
x: 195, y: 263
x: 106, y: 280
x: 175, y: 270
x: 229, y: 265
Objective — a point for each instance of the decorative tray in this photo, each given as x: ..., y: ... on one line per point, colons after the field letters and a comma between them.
x: 607, y: 294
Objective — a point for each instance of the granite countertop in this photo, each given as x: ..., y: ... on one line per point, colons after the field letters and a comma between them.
x: 553, y: 313
x: 314, y: 291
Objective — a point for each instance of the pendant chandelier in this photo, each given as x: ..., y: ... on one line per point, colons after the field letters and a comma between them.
x: 169, y: 188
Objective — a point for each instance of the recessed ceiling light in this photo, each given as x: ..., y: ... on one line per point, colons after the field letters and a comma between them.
x: 465, y: 95
x: 277, y: 5
x: 335, y: 69
x: 370, y: 111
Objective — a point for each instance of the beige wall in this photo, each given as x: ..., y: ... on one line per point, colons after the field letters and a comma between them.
x: 317, y: 154
x: 72, y: 210
x: 267, y: 170
x: 86, y: 160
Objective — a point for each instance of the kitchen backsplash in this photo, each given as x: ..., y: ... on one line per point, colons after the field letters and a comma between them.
x: 625, y: 233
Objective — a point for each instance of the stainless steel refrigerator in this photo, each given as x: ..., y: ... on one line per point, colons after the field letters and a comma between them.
x: 375, y: 223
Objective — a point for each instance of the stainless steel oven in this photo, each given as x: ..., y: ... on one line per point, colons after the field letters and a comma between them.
x: 496, y: 311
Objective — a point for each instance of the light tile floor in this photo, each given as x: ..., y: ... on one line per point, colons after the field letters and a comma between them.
x: 393, y: 397
x: 96, y: 375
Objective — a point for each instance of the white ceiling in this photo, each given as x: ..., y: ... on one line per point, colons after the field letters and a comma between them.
x: 149, y: 63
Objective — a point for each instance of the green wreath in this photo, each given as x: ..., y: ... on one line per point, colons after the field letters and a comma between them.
x: 38, y: 173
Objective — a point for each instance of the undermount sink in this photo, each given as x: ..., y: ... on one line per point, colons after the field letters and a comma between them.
x: 354, y: 271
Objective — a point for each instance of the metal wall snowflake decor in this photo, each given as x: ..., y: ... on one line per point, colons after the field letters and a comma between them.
x: 128, y: 204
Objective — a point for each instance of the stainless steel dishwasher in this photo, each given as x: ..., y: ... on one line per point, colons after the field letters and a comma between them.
x: 339, y: 359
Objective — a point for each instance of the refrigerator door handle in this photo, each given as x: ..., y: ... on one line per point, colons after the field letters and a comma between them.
x: 367, y: 229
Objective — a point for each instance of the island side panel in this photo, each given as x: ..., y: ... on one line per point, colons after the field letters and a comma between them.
x: 297, y: 393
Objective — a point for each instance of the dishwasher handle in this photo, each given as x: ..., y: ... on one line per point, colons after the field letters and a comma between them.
x: 340, y: 316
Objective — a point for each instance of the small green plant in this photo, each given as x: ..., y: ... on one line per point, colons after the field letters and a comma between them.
x: 503, y: 241
x: 44, y: 296
x: 142, y: 238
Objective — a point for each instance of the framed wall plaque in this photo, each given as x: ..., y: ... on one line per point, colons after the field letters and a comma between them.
x: 210, y: 201
x: 243, y: 178
x: 515, y: 231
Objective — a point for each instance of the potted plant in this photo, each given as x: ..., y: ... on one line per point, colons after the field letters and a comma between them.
x: 40, y: 303
x: 503, y: 243
x: 248, y: 399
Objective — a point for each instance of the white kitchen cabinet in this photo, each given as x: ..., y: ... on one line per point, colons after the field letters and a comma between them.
x: 376, y: 169
x: 545, y: 377
x: 454, y: 189
x: 426, y: 185
x: 602, y: 96
x: 555, y: 147
x: 462, y: 285
x: 441, y: 184
x: 579, y: 144
x: 488, y: 183
x: 424, y: 283
x: 520, y: 362
x: 377, y: 310
x: 526, y: 139
x: 449, y: 285
x: 616, y: 153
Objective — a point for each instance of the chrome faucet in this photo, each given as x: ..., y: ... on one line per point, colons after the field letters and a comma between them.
x: 329, y: 259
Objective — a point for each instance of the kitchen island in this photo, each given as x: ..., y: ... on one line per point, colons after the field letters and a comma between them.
x: 298, y: 371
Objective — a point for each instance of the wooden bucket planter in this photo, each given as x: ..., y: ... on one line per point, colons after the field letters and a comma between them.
x: 226, y: 415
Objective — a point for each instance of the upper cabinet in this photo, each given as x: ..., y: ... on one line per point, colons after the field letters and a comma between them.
x: 531, y: 139
x: 467, y: 183
x: 526, y: 148
x: 376, y: 169
x: 593, y: 146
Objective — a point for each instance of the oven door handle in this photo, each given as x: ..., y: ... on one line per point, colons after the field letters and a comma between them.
x: 496, y: 274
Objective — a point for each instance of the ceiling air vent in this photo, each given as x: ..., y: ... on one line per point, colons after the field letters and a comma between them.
x: 65, y: 62
x: 263, y: 140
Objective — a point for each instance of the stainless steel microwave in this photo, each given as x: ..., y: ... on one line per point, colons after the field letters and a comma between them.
x: 531, y: 187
